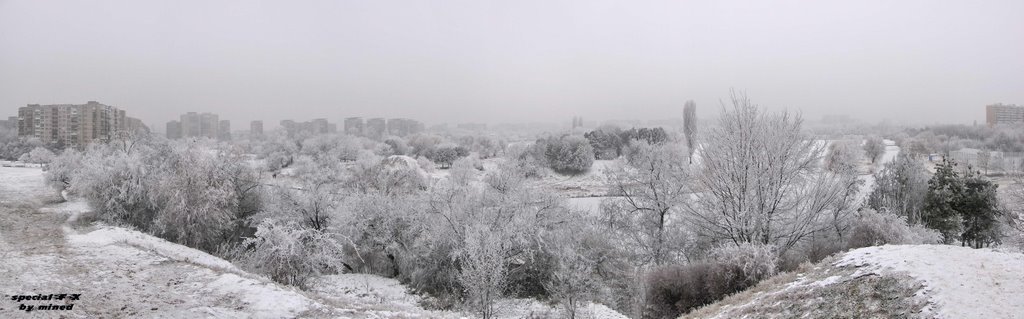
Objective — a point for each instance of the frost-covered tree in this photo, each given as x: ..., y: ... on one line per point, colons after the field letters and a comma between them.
x: 483, y: 269
x: 690, y: 128
x: 573, y: 279
x: 874, y: 147
x: 652, y: 186
x: 278, y: 151
x: 395, y: 146
x: 984, y: 160
x: 900, y: 188
x: 842, y: 156
x: 760, y: 181
x: 606, y: 141
x: 446, y: 154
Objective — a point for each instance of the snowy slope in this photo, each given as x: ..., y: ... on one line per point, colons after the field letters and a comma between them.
x: 961, y: 282
x: 915, y: 281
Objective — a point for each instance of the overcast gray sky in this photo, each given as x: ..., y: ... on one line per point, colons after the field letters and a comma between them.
x: 511, y: 61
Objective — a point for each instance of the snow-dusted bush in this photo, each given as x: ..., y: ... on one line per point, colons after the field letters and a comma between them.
x: 874, y: 228
x: 423, y: 144
x: 755, y: 262
x: 289, y: 253
x: 63, y: 168
x: 395, y: 146
x: 483, y: 270
x: 573, y: 280
x: 674, y: 290
x: 193, y: 195
x: 568, y: 154
x: 13, y: 146
x: 38, y: 155
x: 526, y: 161
x: 117, y: 185
x: 426, y: 164
x: 183, y: 191
x: 393, y: 175
x: 463, y: 170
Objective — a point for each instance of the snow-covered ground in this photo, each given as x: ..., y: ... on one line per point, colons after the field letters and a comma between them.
x: 960, y: 282
x: 125, y: 273
x: 589, y: 184
x: 121, y: 272
x: 905, y: 281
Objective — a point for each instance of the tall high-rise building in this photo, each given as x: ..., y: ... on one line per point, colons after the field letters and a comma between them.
x: 11, y: 123
x: 319, y: 126
x: 404, y: 127
x: 190, y: 124
x: 376, y: 128
x: 174, y: 130
x: 224, y: 133
x: 209, y: 125
x: 256, y: 129
x: 194, y: 124
x: 72, y: 125
x: 1004, y: 114
x: 354, y: 126
x: 134, y: 125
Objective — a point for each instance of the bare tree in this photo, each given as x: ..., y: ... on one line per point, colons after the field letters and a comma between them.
x: 690, y: 127
x: 760, y: 179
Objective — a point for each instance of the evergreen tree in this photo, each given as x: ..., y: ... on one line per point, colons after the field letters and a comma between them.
x: 978, y: 206
x: 962, y: 206
x: 940, y: 203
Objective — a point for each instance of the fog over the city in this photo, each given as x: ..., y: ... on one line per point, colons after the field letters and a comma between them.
x: 514, y: 61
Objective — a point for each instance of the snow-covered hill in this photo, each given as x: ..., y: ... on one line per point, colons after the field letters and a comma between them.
x: 915, y: 281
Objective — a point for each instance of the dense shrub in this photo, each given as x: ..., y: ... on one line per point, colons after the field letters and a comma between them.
x: 606, y: 141
x: 184, y: 192
x: 675, y: 290
x: 651, y: 136
x: 879, y: 228
x: 568, y: 154
x: 446, y: 154
x: 289, y: 253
